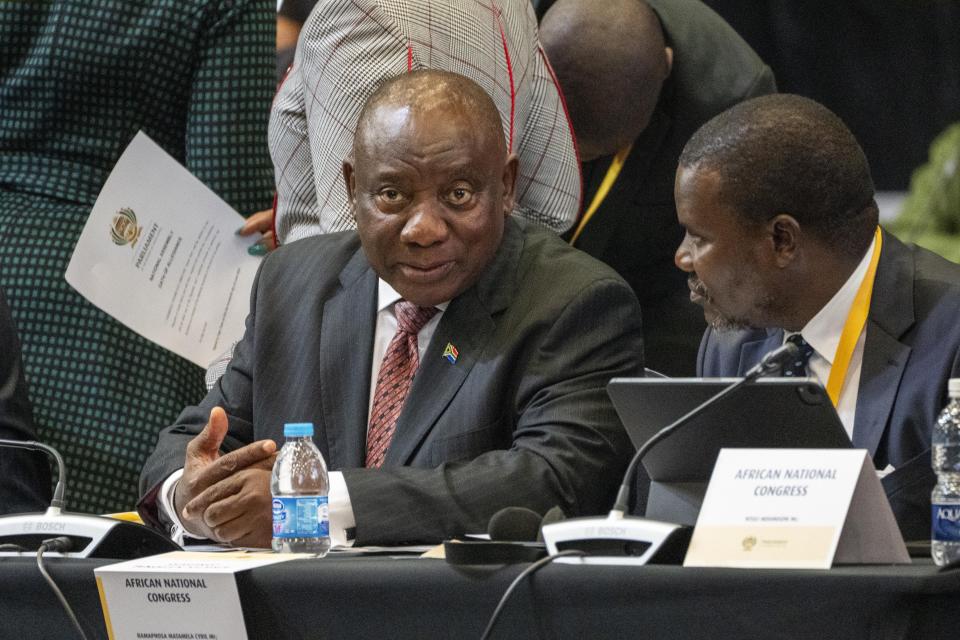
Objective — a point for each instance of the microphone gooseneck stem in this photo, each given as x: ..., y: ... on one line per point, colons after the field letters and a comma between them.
x: 770, y: 363
x: 57, y: 501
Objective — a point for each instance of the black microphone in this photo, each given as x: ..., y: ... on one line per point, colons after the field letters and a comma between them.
x: 514, y: 537
x: 553, y: 515
x: 637, y: 540
x: 773, y: 361
x: 517, y: 524
x: 92, y: 536
x: 520, y: 524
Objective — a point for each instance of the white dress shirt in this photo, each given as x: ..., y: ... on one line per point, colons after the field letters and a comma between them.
x: 340, y: 509
x: 823, y: 334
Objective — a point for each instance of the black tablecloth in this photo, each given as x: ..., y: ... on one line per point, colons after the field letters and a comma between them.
x: 414, y: 598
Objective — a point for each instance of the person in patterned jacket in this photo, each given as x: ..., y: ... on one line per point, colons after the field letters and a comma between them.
x: 347, y: 49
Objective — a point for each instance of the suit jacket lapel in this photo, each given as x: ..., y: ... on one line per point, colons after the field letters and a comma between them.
x: 751, y: 352
x: 437, y: 380
x: 346, y: 361
x: 468, y: 325
x: 884, y: 356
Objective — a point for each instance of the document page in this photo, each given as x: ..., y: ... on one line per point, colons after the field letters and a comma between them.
x: 159, y: 253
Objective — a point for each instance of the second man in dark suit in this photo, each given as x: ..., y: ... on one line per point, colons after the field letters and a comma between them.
x: 782, y: 243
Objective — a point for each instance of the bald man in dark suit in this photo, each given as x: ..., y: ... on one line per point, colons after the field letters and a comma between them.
x: 519, y: 336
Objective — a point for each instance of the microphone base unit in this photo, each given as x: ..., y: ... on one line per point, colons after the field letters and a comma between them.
x: 92, y: 536
x: 618, y: 540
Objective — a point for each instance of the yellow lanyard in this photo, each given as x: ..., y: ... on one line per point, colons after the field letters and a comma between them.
x: 853, y: 327
x: 615, y: 166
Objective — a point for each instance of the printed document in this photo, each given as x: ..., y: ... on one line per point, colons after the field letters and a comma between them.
x: 160, y: 254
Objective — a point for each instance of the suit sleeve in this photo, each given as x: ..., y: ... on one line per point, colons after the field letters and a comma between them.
x: 705, y: 356
x: 763, y: 84
x: 25, y: 478
x: 344, y: 51
x: 568, y: 447
x: 290, y: 150
x: 908, y: 487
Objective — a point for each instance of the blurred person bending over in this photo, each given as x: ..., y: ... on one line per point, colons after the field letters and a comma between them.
x: 453, y: 358
x: 639, y: 78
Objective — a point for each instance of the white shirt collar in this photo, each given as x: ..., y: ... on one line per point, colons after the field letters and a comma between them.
x: 824, y: 329
x: 387, y: 296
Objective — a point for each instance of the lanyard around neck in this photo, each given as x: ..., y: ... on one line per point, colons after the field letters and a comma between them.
x: 853, y: 327
x: 611, y: 176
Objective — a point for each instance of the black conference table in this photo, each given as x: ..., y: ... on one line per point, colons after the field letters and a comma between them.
x: 425, y: 598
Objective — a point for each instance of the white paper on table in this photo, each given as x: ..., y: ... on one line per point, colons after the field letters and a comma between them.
x: 160, y: 254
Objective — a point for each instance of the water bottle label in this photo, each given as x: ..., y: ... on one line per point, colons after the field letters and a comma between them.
x: 300, y: 517
x: 946, y: 522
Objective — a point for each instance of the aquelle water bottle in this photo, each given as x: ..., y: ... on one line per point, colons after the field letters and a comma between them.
x: 299, y: 485
x: 945, y: 500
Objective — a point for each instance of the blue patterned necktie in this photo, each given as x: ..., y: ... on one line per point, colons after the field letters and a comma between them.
x: 798, y: 368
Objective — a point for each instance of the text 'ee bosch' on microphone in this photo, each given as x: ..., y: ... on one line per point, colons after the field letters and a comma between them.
x: 90, y: 536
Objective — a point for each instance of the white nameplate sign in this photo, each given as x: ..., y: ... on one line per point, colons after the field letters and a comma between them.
x: 180, y: 594
x: 795, y: 508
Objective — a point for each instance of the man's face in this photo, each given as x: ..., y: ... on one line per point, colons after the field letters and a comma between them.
x: 430, y: 192
x: 728, y: 261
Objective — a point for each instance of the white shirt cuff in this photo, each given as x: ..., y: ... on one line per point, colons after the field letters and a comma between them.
x: 169, y: 487
x: 341, y: 511
x: 338, y: 502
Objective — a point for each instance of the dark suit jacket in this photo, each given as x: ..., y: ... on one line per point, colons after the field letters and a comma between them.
x: 635, y: 230
x: 912, y: 349
x: 522, y: 418
x: 24, y: 475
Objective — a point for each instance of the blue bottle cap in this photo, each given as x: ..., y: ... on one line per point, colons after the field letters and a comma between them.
x: 298, y: 430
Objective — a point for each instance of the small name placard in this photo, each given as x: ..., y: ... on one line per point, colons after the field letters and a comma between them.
x: 184, y: 595
x: 794, y: 508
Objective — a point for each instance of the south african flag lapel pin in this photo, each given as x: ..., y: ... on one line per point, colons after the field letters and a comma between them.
x: 450, y: 353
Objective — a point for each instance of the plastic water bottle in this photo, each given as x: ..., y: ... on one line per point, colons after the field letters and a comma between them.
x: 299, y: 485
x: 945, y: 500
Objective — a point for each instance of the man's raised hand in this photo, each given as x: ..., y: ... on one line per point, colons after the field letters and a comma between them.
x: 226, y: 497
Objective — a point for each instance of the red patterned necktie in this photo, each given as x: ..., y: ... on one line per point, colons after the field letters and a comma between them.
x: 399, y: 365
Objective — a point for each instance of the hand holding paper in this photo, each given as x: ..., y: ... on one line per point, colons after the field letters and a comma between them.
x: 260, y: 222
x: 160, y: 253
